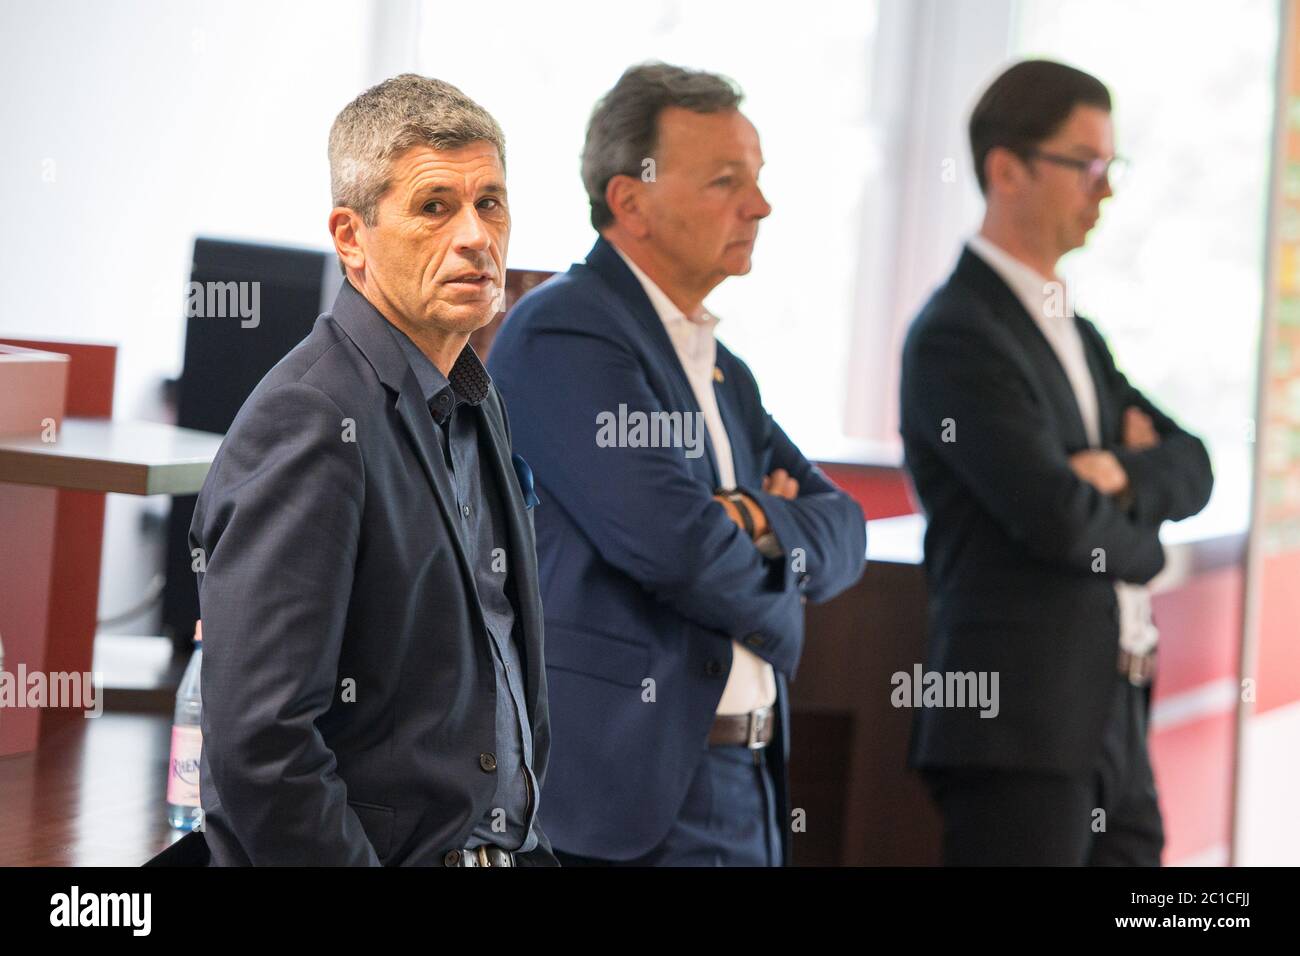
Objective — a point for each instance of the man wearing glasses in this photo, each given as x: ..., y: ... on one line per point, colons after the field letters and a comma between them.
x: 1045, y: 477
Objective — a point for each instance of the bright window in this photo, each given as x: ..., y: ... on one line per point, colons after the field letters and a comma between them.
x: 1174, y: 273
x: 804, y: 69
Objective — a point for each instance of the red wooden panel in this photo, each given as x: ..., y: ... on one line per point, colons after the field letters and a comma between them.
x: 78, y: 528
x: 29, y: 392
x: 1194, y: 775
x: 91, y: 373
x: 1278, y: 670
x: 882, y: 492
x: 1200, y: 630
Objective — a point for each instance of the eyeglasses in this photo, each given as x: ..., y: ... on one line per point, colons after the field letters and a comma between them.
x: 1092, y: 172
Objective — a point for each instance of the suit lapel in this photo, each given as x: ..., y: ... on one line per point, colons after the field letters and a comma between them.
x: 742, y: 454
x: 985, y: 281
x: 523, y: 555
x: 609, y: 265
x: 362, y: 323
x: 419, y: 426
x: 1107, y: 419
x: 1046, y: 360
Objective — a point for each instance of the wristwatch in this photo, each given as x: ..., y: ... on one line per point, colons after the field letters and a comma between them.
x: 737, y: 499
x: 767, y: 544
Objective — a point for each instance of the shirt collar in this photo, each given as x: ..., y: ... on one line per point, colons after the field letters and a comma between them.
x: 469, y: 381
x: 1031, y: 287
x: 664, y: 306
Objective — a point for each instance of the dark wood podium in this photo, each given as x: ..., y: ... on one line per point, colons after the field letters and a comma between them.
x: 848, y: 746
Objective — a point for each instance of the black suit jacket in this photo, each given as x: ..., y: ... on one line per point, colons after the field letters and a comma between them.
x: 348, y: 684
x: 1013, y: 535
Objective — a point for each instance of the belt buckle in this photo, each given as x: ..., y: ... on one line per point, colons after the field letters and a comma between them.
x: 485, y: 855
x: 757, y: 718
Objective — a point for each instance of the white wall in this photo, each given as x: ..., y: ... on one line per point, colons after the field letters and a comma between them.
x: 131, y: 127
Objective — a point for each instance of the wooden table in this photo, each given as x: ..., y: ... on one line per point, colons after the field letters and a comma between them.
x: 90, y: 455
x: 132, y: 458
x: 93, y: 794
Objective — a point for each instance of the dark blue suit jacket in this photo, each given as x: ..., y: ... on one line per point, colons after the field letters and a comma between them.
x: 643, y: 575
x: 336, y: 564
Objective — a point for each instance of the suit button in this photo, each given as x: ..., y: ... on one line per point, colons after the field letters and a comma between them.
x: 488, y: 762
x: 713, y: 667
x: 452, y: 858
x: 755, y: 640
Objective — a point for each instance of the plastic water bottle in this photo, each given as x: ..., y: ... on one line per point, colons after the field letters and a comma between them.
x: 183, y: 809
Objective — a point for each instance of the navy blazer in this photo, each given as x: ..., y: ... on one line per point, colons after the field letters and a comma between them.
x: 348, y: 684
x: 645, y: 580
x: 1014, y: 536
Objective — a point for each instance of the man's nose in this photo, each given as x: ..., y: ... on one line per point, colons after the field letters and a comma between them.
x: 757, y: 207
x: 1101, y: 186
x: 471, y: 232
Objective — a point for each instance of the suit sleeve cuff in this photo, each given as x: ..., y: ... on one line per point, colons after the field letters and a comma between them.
x: 1142, y: 497
x: 788, y: 571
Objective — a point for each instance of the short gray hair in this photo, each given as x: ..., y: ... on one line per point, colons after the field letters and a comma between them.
x: 405, y: 111
x: 624, y: 126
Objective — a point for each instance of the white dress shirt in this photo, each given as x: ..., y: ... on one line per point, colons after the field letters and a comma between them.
x: 1046, y: 302
x: 751, y: 683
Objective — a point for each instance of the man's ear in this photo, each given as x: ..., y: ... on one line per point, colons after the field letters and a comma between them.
x: 1004, y: 171
x: 349, y: 237
x: 625, y: 198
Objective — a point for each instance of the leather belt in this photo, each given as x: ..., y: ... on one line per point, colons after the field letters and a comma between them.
x: 1138, y: 668
x: 480, y: 856
x: 752, y: 730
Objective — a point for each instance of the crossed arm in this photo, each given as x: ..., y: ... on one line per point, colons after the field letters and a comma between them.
x: 649, y: 516
x: 1158, y: 472
x: 1005, y: 452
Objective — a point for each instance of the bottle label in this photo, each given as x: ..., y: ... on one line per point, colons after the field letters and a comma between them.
x: 183, y: 778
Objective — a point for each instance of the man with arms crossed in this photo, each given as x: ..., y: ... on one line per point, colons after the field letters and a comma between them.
x: 673, y: 577
x: 1045, y: 477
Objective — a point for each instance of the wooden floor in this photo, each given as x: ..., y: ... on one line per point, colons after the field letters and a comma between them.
x: 93, y: 794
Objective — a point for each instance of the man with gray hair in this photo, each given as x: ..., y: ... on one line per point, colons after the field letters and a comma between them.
x: 373, y: 690
x: 673, y: 581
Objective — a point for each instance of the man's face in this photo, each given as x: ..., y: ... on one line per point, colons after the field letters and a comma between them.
x: 1061, y: 207
x: 704, y: 206
x: 436, y: 253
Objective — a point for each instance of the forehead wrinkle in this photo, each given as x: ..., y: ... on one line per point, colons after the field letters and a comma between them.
x: 439, y: 176
x: 698, y: 158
